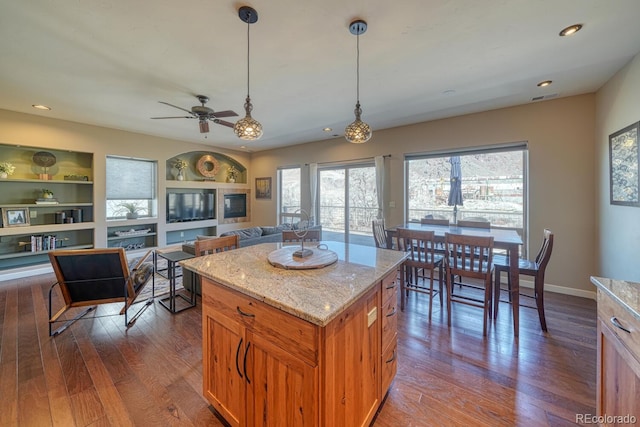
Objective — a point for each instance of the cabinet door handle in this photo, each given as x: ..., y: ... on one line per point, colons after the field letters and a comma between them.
x: 244, y: 363
x: 237, y: 354
x: 392, y: 313
x: 243, y: 313
x: 392, y: 286
x: 393, y: 357
x: 618, y: 325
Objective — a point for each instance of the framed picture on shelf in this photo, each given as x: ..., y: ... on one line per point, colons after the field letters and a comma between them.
x: 15, y: 217
x: 263, y: 188
x: 624, y: 157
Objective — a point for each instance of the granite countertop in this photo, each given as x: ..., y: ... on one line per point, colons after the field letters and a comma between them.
x: 627, y: 294
x: 315, y: 295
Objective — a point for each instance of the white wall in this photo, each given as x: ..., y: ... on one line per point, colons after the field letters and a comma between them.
x: 618, y: 237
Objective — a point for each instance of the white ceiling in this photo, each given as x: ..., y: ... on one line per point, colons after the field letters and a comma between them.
x: 109, y: 62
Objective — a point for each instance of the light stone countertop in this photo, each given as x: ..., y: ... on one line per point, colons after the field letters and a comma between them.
x: 315, y: 295
x: 627, y: 294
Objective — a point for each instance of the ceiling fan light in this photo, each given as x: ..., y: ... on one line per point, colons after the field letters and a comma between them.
x: 204, y: 126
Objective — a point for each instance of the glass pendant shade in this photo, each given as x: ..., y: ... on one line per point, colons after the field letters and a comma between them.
x: 248, y: 128
x: 358, y: 132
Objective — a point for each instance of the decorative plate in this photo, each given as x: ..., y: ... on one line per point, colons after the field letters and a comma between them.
x: 44, y: 159
x: 208, y: 166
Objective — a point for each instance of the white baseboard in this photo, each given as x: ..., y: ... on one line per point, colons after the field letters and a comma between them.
x: 22, y: 272
x: 561, y: 290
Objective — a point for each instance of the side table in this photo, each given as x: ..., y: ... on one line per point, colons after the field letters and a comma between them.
x: 176, y: 302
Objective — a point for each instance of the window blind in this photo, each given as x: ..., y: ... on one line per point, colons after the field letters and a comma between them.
x: 130, y: 179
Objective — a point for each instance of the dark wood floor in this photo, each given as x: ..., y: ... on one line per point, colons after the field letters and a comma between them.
x: 97, y: 373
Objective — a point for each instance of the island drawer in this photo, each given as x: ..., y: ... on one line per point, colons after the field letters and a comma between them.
x: 390, y: 286
x: 291, y: 333
x: 610, y: 312
x: 389, y: 321
x: 389, y: 365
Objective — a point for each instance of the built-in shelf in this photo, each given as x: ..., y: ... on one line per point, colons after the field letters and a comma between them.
x: 46, y: 228
x: 28, y: 253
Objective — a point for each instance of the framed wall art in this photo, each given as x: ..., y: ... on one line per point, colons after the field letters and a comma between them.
x: 263, y: 188
x: 624, y: 157
x: 15, y: 217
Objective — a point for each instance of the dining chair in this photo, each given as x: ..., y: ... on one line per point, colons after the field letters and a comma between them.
x: 434, y: 221
x: 474, y: 223
x: 535, y: 268
x: 470, y: 258
x: 290, y: 236
x: 379, y: 233
x: 216, y: 244
x: 420, y: 245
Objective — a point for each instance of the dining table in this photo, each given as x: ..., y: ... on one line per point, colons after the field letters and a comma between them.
x: 507, y: 239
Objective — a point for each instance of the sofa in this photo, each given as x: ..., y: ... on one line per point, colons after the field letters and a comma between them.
x: 248, y: 237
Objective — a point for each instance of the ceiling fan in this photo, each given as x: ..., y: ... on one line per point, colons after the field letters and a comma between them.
x: 203, y: 114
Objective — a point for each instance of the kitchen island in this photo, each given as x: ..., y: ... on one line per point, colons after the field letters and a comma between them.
x: 314, y: 347
x: 618, y: 376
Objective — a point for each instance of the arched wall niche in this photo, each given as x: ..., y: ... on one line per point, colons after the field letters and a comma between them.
x: 206, y: 166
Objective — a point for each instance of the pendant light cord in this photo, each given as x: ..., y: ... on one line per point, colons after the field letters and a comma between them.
x: 248, y: 51
x: 358, y: 68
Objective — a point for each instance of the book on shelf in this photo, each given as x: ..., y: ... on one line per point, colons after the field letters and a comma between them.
x: 46, y: 201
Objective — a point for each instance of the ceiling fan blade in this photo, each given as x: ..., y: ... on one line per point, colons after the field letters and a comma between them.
x: 176, y: 117
x: 223, y: 123
x: 175, y: 106
x: 226, y: 113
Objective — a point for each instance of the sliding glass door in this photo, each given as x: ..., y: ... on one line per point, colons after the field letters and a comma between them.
x: 347, y: 202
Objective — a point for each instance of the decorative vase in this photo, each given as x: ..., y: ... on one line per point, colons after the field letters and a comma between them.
x: 232, y: 180
x: 132, y: 215
x: 180, y: 176
x: 4, y: 175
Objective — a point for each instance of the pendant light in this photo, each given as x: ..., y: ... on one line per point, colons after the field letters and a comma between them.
x: 248, y: 128
x: 358, y: 132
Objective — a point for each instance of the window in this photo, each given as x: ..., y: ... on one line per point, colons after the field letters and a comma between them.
x: 493, y: 186
x: 289, y: 193
x: 348, y: 202
x: 131, y: 188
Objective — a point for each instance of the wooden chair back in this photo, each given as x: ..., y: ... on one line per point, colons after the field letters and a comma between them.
x: 469, y: 256
x: 290, y: 236
x: 544, y: 254
x: 419, y: 268
x: 474, y: 223
x: 434, y: 221
x: 217, y: 244
x: 379, y: 233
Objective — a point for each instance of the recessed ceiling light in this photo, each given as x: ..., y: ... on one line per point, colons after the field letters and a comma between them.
x: 545, y: 83
x: 570, y: 30
x: 41, y: 107
x: 327, y: 130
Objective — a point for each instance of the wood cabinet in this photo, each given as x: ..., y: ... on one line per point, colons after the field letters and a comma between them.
x: 618, y: 388
x: 262, y: 366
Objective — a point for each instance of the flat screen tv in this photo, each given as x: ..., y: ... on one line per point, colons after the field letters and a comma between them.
x: 235, y: 205
x: 190, y: 205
